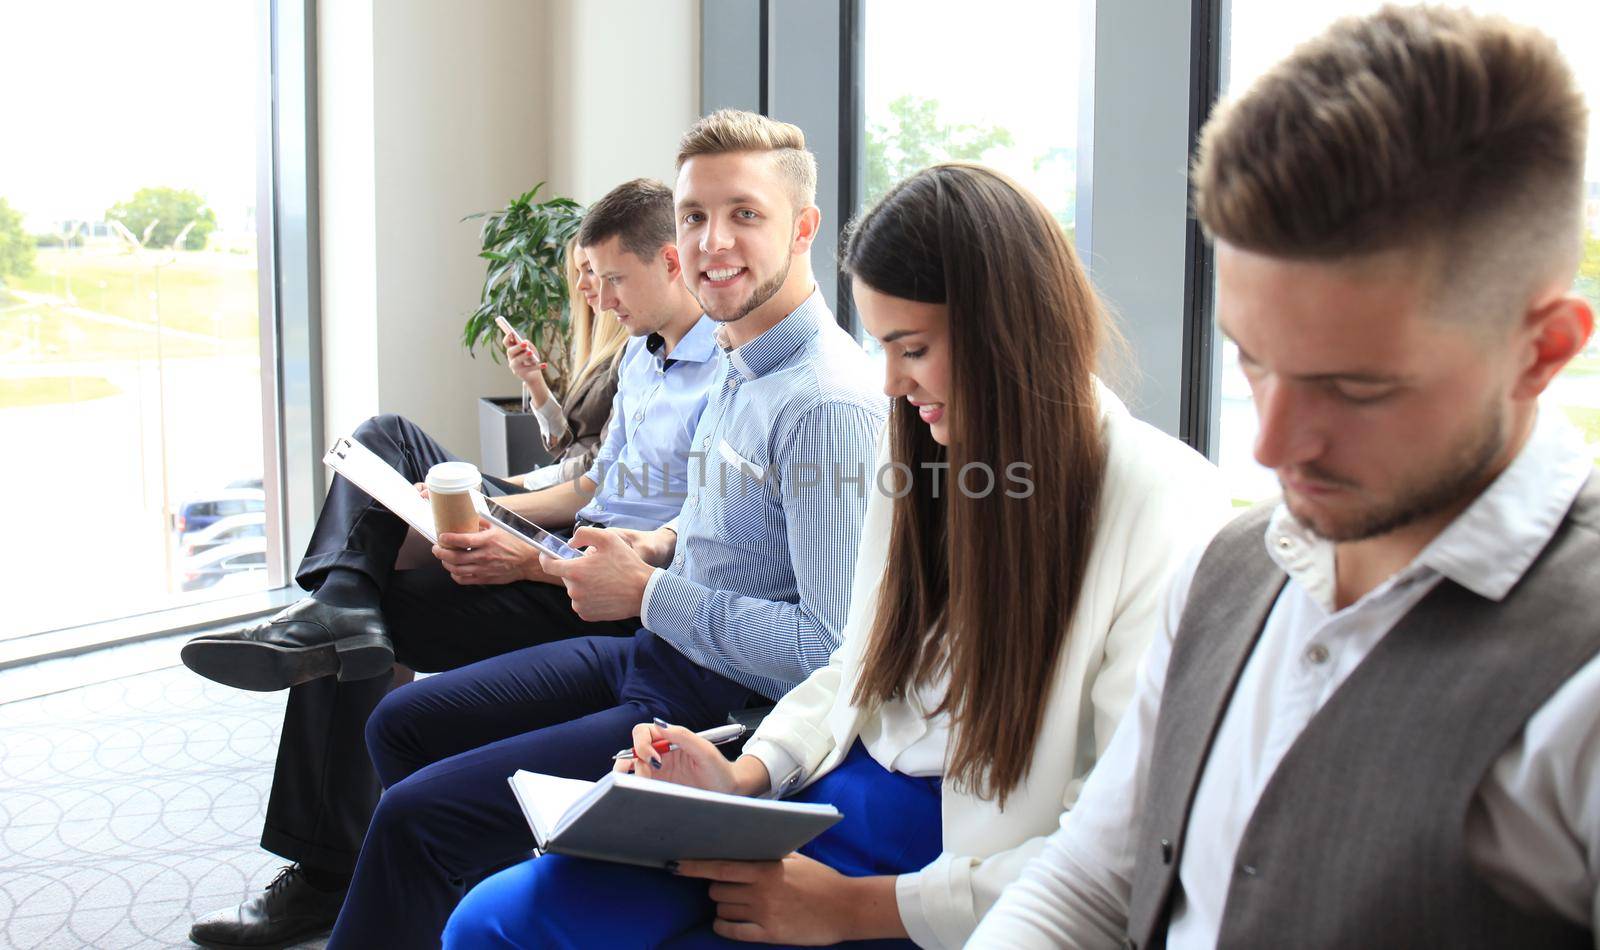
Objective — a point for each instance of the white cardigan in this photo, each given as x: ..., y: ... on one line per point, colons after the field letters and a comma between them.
x: 1160, y: 499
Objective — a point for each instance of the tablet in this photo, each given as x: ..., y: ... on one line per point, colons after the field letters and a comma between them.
x: 548, y: 542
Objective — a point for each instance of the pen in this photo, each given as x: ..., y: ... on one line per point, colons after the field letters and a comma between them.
x: 721, y: 735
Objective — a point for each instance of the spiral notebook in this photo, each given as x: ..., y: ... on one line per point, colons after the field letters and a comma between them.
x: 648, y: 822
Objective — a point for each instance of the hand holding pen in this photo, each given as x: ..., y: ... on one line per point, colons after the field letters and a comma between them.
x: 674, y: 754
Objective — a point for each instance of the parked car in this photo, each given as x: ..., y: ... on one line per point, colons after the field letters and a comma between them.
x: 202, y: 512
x: 251, y: 524
x: 205, y: 570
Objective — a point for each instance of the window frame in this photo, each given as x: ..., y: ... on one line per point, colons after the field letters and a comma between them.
x: 1169, y: 78
x: 291, y: 370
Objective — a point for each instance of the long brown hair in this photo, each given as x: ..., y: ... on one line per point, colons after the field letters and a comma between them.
x: 985, y: 585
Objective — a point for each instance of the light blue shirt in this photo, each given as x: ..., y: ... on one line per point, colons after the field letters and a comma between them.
x: 782, y: 465
x: 642, y: 467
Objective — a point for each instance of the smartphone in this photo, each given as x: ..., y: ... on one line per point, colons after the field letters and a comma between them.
x: 506, y: 327
x: 546, y: 541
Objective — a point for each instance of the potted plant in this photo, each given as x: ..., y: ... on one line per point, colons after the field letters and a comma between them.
x: 525, y: 281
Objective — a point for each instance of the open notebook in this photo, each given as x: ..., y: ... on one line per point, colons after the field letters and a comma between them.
x: 633, y: 820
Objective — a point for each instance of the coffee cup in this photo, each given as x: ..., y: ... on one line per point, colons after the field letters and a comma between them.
x: 450, y: 486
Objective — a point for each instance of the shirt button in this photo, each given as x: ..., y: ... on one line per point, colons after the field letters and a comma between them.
x: 1317, y: 653
x: 638, y: 416
x: 733, y: 384
x: 1284, y: 543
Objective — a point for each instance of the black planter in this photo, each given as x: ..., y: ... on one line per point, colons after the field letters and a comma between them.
x: 509, y: 438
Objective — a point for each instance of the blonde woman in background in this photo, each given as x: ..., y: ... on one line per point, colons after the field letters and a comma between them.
x: 573, y: 432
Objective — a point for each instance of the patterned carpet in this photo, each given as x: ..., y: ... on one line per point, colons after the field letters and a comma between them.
x: 131, y: 806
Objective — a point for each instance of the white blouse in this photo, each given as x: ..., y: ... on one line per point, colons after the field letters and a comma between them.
x: 1158, y: 501
x: 891, y: 736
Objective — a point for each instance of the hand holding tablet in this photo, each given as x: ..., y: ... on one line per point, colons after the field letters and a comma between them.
x: 520, y: 527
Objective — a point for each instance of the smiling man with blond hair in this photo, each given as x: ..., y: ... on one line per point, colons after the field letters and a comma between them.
x: 740, y: 598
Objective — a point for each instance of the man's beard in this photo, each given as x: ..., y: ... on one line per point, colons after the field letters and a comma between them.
x: 760, y: 295
x: 1466, y: 473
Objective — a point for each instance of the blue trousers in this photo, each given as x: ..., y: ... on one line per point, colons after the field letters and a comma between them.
x: 891, y: 826
x: 444, y: 747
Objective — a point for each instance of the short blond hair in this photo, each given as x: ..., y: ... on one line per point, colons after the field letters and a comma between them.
x: 734, y: 130
x: 1412, y: 127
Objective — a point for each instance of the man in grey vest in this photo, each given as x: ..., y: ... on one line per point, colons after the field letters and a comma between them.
x: 1373, y: 718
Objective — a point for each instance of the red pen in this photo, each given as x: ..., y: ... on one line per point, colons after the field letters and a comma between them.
x: 721, y: 735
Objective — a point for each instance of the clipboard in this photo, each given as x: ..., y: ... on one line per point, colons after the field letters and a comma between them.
x: 388, y: 487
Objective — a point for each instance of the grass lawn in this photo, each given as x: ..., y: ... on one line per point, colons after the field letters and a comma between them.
x: 214, y: 294
x: 44, y: 334
x: 200, y: 291
x: 45, y: 390
x: 1583, y: 366
x: 1587, y: 419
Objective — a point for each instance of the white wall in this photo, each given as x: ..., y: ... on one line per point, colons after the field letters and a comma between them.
x: 626, y: 75
x: 431, y: 111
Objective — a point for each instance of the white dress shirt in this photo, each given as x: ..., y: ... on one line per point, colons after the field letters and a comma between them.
x: 1534, y: 829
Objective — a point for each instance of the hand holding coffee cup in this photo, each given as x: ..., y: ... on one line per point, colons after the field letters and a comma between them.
x: 449, y: 487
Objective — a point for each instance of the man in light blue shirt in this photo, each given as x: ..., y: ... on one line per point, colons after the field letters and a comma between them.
x: 640, y: 476
x: 747, y: 603
x: 641, y: 472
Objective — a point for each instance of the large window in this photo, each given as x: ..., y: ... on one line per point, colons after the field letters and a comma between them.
x: 1264, y: 32
x: 946, y: 80
x: 130, y: 338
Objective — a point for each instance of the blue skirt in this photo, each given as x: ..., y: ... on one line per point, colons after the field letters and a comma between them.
x: 891, y: 825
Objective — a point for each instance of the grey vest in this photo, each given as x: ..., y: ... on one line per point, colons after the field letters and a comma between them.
x: 1357, y: 839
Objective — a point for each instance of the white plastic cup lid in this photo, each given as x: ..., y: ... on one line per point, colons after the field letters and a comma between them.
x: 449, y: 477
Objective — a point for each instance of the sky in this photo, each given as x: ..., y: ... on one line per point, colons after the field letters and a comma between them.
x: 103, y: 97
x: 1016, y: 66
x: 107, y: 96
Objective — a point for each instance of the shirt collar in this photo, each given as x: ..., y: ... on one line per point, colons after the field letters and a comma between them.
x: 763, y: 354
x: 697, y: 346
x: 1490, y: 545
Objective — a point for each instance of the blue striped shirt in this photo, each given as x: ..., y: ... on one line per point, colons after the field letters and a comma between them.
x: 780, y: 467
x: 641, y: 472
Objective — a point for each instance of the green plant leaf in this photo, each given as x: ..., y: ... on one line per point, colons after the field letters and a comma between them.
x: 524, y: 245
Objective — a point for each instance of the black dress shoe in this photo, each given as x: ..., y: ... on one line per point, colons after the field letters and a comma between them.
x: 288, y: 911
x: 303, y: 642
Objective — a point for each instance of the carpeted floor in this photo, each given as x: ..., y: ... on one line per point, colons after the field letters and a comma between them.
x: 130, y: 806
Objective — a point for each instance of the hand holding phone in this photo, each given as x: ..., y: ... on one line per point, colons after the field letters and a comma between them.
x: 525, y: 363
x: 510, y: 331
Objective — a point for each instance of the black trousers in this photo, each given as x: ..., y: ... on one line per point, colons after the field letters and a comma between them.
x: 324, y: 788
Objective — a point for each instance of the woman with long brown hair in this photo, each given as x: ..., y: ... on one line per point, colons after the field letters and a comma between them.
x: 574, y: 426
x: 1011, y: 568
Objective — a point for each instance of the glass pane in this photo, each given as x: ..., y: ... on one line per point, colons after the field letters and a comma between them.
x: 944, y: 81
x: 130, y: 390
x: 1263, y: 33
